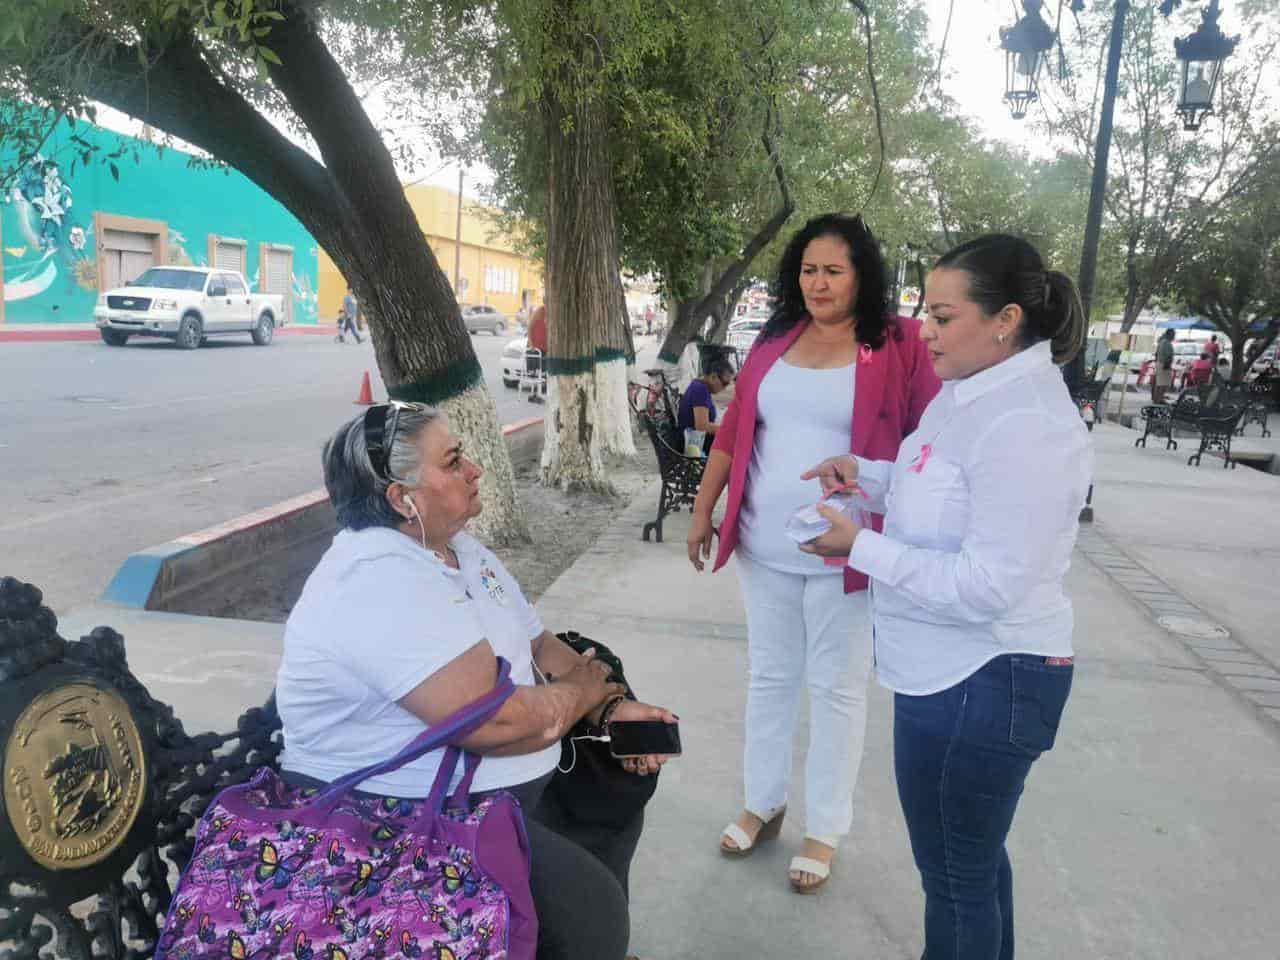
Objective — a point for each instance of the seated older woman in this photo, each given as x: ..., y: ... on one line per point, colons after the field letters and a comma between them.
x: 399, y: 626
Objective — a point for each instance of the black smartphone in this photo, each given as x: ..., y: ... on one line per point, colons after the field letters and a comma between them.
x: 640, y: 738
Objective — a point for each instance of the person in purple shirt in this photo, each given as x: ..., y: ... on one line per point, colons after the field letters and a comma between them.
x: 697, y: 409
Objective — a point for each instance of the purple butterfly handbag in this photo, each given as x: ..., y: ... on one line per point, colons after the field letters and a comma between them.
x: 306, y: 874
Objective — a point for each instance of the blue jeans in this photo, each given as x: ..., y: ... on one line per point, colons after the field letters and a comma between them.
x: 961, y: 757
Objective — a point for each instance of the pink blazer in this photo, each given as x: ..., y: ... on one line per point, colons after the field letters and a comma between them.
x: 892, y: 387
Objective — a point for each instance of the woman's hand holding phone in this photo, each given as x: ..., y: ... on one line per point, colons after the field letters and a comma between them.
x: 631, y: 710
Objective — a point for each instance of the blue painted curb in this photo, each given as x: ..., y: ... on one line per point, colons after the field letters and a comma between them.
x: 136, y: 579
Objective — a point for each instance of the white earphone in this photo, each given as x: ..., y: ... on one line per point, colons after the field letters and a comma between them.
x: 414, y: 515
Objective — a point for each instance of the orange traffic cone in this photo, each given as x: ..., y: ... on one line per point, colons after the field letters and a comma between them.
x: 366, y: 392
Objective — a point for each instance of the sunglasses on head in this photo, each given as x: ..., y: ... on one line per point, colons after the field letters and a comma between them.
x: 380, y: 424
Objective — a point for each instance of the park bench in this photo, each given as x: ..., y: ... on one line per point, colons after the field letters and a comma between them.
x: 656, y: 406
x: 82, y: 736
x: 1217, y: 425
x: 1210, y: 412
x: 1162, y: 419
x: 680, y: 474
x: 1258, y: 399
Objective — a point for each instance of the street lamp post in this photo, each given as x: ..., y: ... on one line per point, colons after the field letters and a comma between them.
x: 1204, y: 50
x: 1024, y: 45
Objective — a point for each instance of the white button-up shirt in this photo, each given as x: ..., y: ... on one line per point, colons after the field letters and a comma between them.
x: 981, y: 512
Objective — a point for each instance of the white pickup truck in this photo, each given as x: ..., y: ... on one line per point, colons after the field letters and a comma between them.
x: 186, y: 305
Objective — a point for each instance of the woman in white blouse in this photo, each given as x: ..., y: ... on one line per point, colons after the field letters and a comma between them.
x: 972, y: 624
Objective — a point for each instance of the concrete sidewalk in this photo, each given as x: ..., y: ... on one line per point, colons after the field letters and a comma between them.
x: 1150, y: 831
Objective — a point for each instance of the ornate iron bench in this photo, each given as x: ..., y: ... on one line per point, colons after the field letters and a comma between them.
x: 1217, y: 425
x: 1257, y: 398
x: 681, y: 475
x: 102, y: 787
x: 1162, y: 420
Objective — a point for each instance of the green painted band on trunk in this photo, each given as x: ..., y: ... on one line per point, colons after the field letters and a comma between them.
x: 573, y: 366
x: 666, y: 356
x: 438, y: 387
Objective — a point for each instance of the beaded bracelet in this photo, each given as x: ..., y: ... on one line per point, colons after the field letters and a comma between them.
x: 609, y: 709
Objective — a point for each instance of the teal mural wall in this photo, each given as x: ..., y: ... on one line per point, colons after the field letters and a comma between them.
x: 49, y: 250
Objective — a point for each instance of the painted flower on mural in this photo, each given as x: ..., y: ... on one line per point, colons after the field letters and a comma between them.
x: 76, y: 237
x: 86, y: 273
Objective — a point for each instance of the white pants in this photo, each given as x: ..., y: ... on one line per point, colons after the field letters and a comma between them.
x: 805, y: 629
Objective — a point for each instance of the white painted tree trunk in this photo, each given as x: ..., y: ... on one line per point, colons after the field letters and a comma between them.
x: 571, y: 450
x: 613, y: 414
x: 474, y: 419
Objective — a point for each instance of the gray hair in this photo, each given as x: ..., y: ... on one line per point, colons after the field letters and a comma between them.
x: 356, y: 490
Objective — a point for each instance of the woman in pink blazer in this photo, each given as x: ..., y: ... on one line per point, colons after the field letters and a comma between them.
x: 833, y: 368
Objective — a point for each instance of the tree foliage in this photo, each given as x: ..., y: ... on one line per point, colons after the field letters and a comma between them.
x: 1165, y: 184
x: 1232, y: 276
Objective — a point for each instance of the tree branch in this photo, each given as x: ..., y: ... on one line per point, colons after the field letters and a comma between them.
x: 178, y: 93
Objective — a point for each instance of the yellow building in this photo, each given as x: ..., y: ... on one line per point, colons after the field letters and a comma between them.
x: 492, y: 272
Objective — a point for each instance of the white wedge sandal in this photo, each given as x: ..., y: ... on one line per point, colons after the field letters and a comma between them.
x: 743, y: 844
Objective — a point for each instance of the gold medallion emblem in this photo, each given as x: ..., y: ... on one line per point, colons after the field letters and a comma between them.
x: 74, y: 776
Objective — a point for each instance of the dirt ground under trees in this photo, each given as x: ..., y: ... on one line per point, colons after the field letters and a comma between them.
x: 562, y: 526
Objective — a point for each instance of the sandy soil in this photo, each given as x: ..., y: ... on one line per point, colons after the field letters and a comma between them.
x: 561, y: 526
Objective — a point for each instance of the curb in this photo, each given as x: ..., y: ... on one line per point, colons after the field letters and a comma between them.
x: 1239, y: 668
x: 158, y: 577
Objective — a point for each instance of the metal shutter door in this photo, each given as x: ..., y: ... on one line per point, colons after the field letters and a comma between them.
x: 228, y: 256
x: 279, y: 277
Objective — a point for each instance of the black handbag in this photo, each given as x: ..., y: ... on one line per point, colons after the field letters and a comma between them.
x: 596, y: 789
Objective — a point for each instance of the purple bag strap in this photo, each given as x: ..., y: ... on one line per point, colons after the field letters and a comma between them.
x: 456, y: 726
x: 447, y: 765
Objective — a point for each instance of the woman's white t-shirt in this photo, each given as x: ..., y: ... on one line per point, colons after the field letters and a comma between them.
x: 378, y: 616
x: 802, y: 415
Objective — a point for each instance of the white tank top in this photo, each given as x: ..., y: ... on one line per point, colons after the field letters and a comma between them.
x: 803, y: 416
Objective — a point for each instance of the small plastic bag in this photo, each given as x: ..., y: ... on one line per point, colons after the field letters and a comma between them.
x: 693, y: 442
x: 807, y: 523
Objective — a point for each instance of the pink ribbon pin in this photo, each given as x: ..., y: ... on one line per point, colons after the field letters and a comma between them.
x: 864, y: 354
x: 917, y: 465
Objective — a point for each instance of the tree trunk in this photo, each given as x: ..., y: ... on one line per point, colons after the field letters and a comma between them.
x: 587, y: 409
x: 689, y: 322
x: 1263, y: 340
x: 353, y: 205
x: 1131, y: 307
x: 1238, y: 339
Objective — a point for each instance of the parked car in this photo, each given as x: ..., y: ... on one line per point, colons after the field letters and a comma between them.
x: 742, y: 333
x: 187, y: 305
x: 481, y: 316
x: 513, y: 361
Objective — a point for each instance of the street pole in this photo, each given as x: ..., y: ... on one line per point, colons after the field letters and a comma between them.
x: 457, y: 241
x: 1074, y: 371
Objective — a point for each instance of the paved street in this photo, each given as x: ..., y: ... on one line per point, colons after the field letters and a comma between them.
x: 105, y: 451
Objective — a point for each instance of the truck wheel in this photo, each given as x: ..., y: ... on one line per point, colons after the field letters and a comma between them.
x: 190, y: 332
x: 264, y: 331
x: 114, y: 338
x: 499, y: 328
